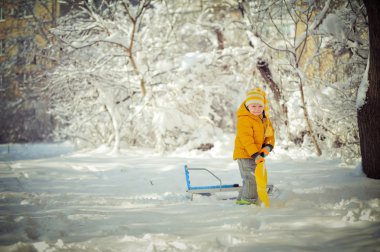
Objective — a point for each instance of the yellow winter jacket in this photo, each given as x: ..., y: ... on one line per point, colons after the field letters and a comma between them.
x: 252, y: 133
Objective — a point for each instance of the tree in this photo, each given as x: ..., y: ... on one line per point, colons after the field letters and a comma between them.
x: 107, y: 51
x: 369, y: 112
x: 320, y: 49
x: 302, y: 18
x: 90, y: 78
x: 23, y: 32
x: 196, y: 63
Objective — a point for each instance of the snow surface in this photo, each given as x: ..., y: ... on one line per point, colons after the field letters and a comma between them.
x: 363, y: 88
x: 56, y: 199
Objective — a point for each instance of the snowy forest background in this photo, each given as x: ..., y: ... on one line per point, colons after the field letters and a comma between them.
x: 171, y: 74
x: 141, y: 88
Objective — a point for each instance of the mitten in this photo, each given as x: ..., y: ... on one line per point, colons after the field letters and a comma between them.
x: 265, y: 151
x: 258, y: 158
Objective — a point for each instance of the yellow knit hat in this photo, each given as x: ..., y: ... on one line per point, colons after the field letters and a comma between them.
x: 258, y: 96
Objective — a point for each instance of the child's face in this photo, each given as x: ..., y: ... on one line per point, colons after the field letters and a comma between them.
x: 255, y: 109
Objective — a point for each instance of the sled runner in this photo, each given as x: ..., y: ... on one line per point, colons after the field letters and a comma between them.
x: 215, y: 188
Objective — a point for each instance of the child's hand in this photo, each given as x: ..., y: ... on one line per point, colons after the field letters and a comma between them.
x: 258, y: 158
x: 265, y: 151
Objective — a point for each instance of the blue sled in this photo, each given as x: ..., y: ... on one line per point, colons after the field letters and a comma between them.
x: 208, y: 190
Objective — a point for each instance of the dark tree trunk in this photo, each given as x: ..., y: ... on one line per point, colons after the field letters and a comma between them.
x: 263, y: 67
x: 266, y: 73
x: 369, y: 114
x: 220, y: 38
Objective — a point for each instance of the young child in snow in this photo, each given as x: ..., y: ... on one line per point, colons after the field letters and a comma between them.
x: 254, y: 140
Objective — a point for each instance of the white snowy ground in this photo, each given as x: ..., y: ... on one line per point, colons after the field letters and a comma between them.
x: 136, y: 201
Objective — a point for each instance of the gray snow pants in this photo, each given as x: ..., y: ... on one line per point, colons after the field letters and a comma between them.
x: 247, y: 172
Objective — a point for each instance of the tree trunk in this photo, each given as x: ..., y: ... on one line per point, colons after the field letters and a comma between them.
x: 263, y: 67
x: 220, y: 38
x: 310, y: 130
x: 265, y: 72
x: 369, y: 113
x: 134, y: 19
x: 110, y: 106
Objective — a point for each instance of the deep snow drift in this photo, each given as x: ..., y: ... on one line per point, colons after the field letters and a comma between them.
x: 136, y: 201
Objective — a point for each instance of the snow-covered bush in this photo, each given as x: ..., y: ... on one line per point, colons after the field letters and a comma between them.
x: 157, y: 73
x: 127, y: 75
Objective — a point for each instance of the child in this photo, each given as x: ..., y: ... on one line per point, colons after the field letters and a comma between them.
x: 254, y: 140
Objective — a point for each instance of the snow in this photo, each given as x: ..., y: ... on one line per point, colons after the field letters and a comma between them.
x: 317, y: 21
x: 54, y: 198
x: 333, y: 25
x: 190, y: 60
x: 363, y: 88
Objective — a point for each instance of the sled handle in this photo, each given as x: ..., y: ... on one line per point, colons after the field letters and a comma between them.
x: 204, y: 169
